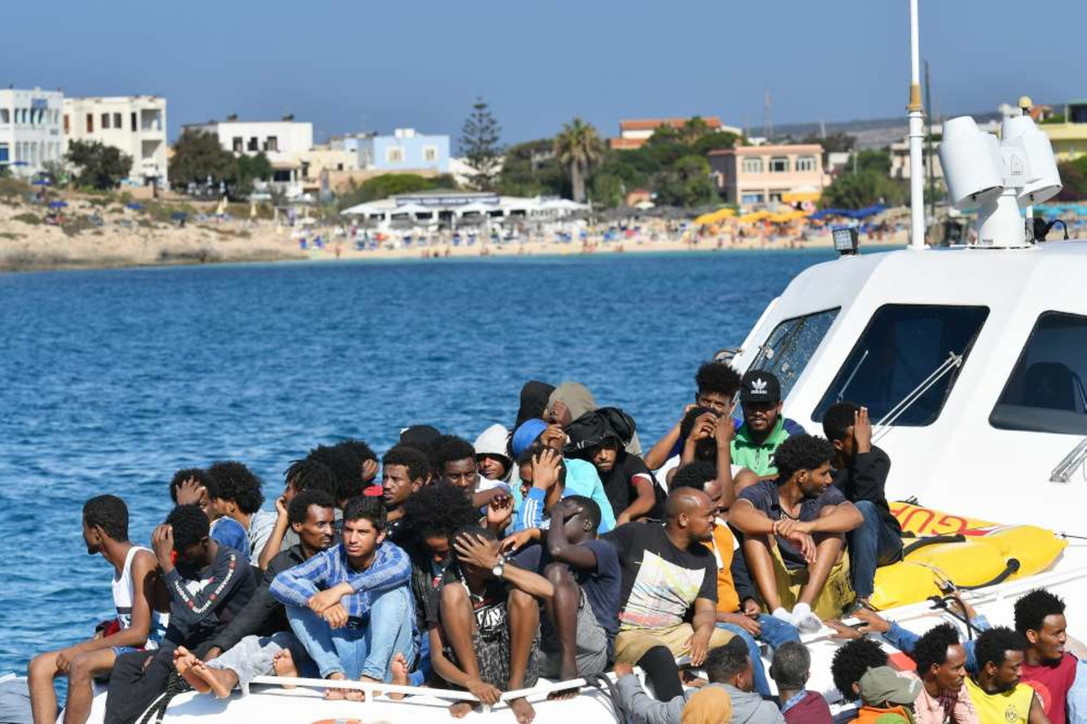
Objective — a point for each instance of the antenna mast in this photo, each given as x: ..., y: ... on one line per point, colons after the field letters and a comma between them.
x: 917, y: 135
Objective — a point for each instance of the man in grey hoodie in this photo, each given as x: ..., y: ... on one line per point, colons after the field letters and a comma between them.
x: 728, y: 667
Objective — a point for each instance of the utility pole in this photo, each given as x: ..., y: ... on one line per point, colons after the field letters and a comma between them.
x: 931, y: 166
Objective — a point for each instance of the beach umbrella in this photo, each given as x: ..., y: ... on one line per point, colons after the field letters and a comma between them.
x: 715, y: 217
x: 134, y: 206
x: 57, y: 204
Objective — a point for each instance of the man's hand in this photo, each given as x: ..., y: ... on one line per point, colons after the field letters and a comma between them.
x: 191, y: 492
x: 281, y: 508
x: 873, y: 621
x: 622, y: 668
x: 553, y: 437
x: 64, y: 659
x: 862, y: 431
x: 703, y: 427
x: 724, y: 429
x: 476, y: 550
x: 743, y: 621
x: 323, y: 600
x: 841, y: 631
x: 699, y: 644
x: 486, y: 693
x: 162, y: 542
x: 369, y: 471
x: 545, y: 469
x: 499, y: 512
x: 751, y: 608
x: 517, y: 541
x: 335, y: 615
x: 799, y: 538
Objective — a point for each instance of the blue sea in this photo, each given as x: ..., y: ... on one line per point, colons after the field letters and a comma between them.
x: 113, y: 380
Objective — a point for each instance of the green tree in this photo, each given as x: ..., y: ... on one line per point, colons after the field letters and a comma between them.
x: 97, y: 165
x: 247, y: 170
x: 608, y: 190
x: 198, y: 158
x: 864, y: 188
x: 479, y: 144
x: 531, y: 169
x: 1074, y: 177
x: 392, y: 184
x: 579, y: 148
x: 874, y: 160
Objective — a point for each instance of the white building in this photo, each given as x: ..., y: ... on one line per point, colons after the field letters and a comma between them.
x: 284, y: 142
x: 31, y: 134
x: 134, y: 124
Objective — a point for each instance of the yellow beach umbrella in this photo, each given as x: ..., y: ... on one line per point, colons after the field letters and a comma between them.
x: 715, y: 217
x: 754, y: 216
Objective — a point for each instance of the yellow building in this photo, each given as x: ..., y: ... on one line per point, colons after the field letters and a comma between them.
x: 1069, y: 138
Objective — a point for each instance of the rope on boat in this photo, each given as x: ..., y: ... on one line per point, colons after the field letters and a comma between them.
x: 174, y: 686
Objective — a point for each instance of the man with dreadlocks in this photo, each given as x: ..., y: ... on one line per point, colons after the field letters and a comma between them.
x: 302, y: 475
x: 208, y: 585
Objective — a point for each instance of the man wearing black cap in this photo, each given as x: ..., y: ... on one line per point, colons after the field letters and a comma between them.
x: 764, y: 427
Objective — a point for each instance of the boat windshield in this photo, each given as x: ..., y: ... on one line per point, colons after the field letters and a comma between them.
x: 792, y: 343
x: 895, y: 356
x: 1045, y: 391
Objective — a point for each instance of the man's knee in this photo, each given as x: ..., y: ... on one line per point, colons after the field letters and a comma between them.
x: 42, y: 666
x: 868, y: 509
x: 82, y: 668
x: 521, y: 601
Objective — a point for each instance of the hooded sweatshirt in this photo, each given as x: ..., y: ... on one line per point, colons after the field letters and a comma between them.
x: 579, y: 400
x: 493, y: 441
x: 747, y: 706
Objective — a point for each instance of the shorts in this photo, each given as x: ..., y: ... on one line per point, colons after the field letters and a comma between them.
x: 837, y: 592
x: 631, y: 645
x: 493, y: 657
x: 593, y: 645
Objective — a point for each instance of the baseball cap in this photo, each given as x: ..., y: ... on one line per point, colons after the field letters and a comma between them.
x: 759, y: 386
x: 883, y: 685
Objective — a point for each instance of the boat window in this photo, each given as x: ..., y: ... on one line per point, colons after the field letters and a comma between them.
x: 792, y: 343
x: 1045, y: 392
x: 904, y: 353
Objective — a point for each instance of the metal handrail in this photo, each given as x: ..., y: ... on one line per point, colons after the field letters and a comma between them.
x: 885, y: 423
x: 370, y: 687
x: 1070, y: 463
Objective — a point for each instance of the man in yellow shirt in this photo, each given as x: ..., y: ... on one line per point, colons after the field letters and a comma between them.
x: 996, y: 692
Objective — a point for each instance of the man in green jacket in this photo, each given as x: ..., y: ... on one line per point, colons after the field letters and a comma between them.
x: 764, y: 427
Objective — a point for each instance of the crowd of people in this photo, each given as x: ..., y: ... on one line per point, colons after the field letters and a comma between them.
x: 555, y: 548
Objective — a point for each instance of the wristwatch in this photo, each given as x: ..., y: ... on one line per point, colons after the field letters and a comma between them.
x: 496, y: 571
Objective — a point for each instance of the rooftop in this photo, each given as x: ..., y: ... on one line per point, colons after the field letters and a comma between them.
x: 769, y: 148
x: 649, y: 124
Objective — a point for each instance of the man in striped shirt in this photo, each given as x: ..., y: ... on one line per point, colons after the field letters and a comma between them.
x: 351, y: 606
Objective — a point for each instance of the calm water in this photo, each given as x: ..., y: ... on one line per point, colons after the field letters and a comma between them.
x: 112, y: 380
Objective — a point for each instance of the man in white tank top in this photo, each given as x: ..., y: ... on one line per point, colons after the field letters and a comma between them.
x: 136, y: 588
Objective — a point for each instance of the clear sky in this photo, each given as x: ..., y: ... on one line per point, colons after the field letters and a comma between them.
x: 363, y: 64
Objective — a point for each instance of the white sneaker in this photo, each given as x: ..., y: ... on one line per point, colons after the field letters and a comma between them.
x: 804, y: 620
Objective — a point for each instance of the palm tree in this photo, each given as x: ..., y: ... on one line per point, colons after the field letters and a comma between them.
x: 579, y: 147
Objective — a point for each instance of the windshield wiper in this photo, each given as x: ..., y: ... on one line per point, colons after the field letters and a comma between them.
x: 1071, y: 462
x: 885, y: 423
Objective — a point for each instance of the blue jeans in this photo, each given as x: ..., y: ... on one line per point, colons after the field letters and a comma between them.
x: 423, y: 668
x: 774, y: 633
x: 871, y: 545
x: 362, y: 650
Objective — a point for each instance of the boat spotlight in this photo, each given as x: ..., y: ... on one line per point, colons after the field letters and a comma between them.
x: 999, y: 177
x: 845, y: 239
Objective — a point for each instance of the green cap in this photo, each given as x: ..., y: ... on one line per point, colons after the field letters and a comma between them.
x: 883, y: 685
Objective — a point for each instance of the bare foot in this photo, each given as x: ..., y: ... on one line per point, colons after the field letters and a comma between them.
x: 359, y: 695
x: 221, y: 681
x: 283, y: 665
x: 336, y: 694
x: 562, y: 695
x: 461, y: 709
x: 399, y: 668
x: 184, y: 661
x: 522, y: 710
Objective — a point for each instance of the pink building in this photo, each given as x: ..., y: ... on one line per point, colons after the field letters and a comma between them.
x: 753, y: 175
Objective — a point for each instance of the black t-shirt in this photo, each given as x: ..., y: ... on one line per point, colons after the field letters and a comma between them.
x: 489, y: 607
x: 602, y: 584
x: 619, y: 485
x: 660, y: 581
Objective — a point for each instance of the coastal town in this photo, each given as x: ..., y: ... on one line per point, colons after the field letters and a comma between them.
x: 98, y: 181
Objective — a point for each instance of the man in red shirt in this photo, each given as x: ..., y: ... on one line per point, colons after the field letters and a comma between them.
x: 1039, y: 616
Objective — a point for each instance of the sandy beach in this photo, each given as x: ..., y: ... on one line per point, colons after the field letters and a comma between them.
x: 97, y: 234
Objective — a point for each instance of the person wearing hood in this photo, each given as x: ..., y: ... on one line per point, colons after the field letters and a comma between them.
x: 728, y: 668
x: 493, y: 455
x: 534, y: 399
x: 569, y: 401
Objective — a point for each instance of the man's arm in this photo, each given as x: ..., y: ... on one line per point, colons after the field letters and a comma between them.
x: 1037, y: 713
x: 255, y: 617
x: 841, y: 518
x: 607, y: 515
x: 748, y: 519
x: 531, y: 583
x: 274, y: 545
x: 660, y: 452
x: 144, y: 575
x: 703, y: 623
x: 295, y: 586
x: 561, y: 549
x: 188, y: 608
x: 645, y: 709
x: 724, y: 430
x: 644, y: 501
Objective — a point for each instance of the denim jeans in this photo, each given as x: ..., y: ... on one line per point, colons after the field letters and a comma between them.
x: 362, y: 650
x: 774, y: 633
x: 871, y: 545
x: 423, y: 668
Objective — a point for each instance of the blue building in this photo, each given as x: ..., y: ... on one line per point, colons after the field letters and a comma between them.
x: 405, y: 150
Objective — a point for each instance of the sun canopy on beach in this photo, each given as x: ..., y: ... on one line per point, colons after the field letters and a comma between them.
x: 850, y: 213
x: 715, y: 217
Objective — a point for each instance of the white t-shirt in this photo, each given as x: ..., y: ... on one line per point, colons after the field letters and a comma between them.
x: 661, y: 474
